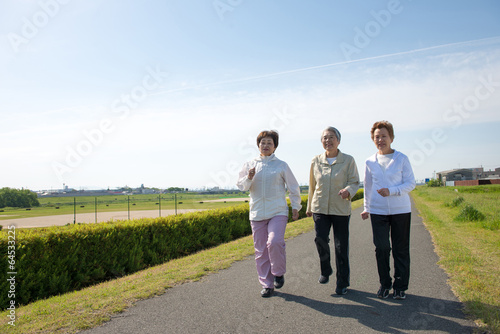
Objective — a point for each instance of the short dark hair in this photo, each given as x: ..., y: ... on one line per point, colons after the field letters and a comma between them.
x: 381, y: 125
x: 268, y: 133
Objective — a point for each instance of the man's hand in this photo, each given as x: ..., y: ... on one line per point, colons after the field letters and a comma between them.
x: 344, y: 193
x: 384, y: 192
x: 251, y: 173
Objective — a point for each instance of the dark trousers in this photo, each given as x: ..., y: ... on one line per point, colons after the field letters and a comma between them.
x: 340, y: 224
x: 398, y: 226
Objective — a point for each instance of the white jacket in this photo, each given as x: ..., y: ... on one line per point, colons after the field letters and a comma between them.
x: 397, y: 177
x: 267, y: 188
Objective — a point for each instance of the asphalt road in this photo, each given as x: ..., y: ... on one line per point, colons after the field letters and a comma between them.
x: 230, y: 302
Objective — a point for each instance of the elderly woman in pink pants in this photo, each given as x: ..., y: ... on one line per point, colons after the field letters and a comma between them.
x: 268, y: 178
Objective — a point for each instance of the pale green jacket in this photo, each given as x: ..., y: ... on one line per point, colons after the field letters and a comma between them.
x: 325, y: 182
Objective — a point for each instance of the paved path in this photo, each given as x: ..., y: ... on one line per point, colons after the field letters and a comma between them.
x: 60, y: 220
x: 230, y: 302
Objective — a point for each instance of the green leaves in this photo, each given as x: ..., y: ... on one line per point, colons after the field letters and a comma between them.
x: 469, y: 213
x: 359, y: 195
x: 16, y: 198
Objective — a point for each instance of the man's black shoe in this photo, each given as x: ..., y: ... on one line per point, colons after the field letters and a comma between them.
x: 323, y: 279
x: 267, y: 292
x: 399, y: 294
x: 279, y: 281
x: 383, y: 293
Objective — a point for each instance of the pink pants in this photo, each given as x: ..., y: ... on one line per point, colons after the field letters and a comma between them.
x: 269, y: 243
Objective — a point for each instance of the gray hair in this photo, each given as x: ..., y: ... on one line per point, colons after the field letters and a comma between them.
x: 334, y: 130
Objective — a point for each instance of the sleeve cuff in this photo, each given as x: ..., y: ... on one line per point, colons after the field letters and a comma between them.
x: 394, y: 191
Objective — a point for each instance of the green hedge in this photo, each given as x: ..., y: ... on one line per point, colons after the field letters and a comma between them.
x: 56, y: 260
x: 359, y: 195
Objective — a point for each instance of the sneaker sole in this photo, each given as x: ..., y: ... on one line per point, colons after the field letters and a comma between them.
x: 267, y: 295
x: 324, y: 282
x: 279, y: 285
x: 385, y: 296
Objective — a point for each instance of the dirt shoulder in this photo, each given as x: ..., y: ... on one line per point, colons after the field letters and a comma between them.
x: 61, y: 220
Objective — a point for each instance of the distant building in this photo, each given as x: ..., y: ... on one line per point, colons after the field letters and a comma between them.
x: 461, y: 174
x: 491, y: 174
x: 468, y: 174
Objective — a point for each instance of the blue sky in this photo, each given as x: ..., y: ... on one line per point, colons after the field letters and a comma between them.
x: 99, y: 94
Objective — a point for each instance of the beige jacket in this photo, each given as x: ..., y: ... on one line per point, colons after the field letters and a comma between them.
x: 325, y: 182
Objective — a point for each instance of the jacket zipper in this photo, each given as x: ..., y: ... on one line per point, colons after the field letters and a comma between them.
x: 264, y: 171
x: 385, y: 183
x: 330, y: 190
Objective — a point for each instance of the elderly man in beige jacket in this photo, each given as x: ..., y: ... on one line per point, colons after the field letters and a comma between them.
x: 333, y: 181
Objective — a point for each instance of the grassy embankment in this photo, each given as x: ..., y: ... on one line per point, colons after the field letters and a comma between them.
x: 94, y: 305
x: 50, y: 206
x: 465, y: 227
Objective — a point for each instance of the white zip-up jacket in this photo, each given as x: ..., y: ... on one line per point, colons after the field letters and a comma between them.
x: 397, y: 177
x: 267, y: 188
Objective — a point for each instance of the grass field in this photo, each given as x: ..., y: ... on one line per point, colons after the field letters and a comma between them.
x: 464, y: 224
x: 50, y: 206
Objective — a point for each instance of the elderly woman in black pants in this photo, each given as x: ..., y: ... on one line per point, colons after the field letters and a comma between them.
x: 333, y: 181
x: 388, y: 181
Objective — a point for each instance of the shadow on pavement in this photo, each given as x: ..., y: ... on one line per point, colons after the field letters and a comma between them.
x: 391, y: 316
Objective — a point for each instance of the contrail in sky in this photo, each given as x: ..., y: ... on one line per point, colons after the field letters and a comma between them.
x: 270, y: 75
x: 265, y: 76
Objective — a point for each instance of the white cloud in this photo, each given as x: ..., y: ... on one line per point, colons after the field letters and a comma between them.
x: 200, y: 136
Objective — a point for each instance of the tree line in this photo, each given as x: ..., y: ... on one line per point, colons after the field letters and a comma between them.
x: 18, y: 198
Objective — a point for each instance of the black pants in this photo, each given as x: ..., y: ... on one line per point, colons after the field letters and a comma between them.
x: 340, y: 224
x: 398, y: 226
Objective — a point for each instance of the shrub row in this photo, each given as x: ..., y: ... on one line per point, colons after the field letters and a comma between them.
x: 18, y: 198
x: 434, y: 183
x: 359, y: 195
x: 57, y: 260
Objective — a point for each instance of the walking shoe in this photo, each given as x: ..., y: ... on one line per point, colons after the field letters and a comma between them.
x: 383, y: 293
x: 341, y: 291
x: 399, y: 294
x: 323, y: 279
x: 267, y: 292
x: 279, y: 281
